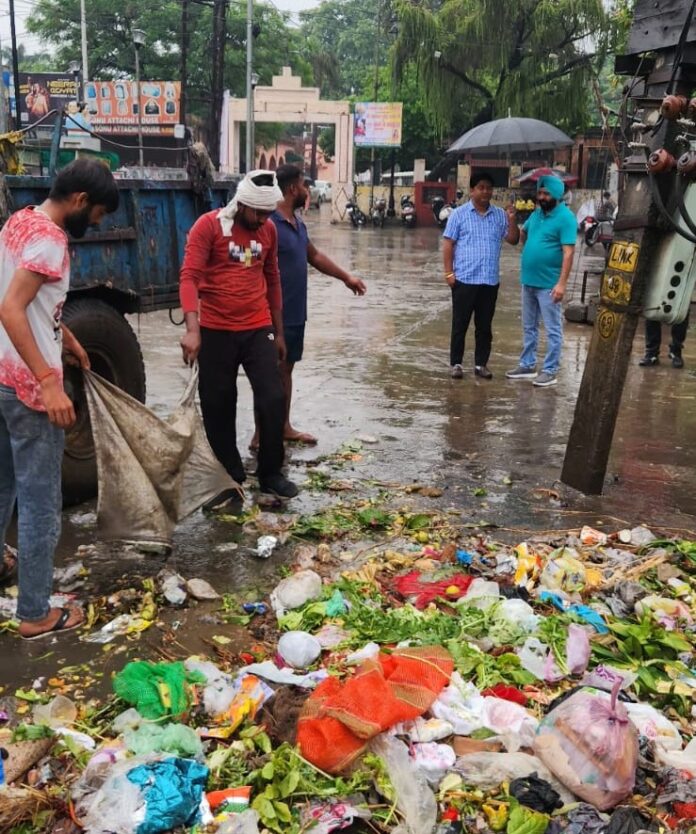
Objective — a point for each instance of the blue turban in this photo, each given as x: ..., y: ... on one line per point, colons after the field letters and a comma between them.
x: 554, y: 185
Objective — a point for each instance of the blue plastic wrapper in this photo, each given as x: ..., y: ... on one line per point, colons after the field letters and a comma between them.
x: 254, y: 608
x: 590, y: 616
x: 464, y: 558
x: 555, y: 599
x: 584, y: 612
x: 173, y: 789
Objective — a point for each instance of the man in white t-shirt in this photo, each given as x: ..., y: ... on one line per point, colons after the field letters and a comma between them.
x: 34, y: 408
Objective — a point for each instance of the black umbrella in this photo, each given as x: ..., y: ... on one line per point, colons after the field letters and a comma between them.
x: 511, y: 135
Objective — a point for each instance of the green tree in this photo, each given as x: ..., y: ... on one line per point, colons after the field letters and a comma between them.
x: 479, y: 59
x: 111, y: 52
x: 344, y: 40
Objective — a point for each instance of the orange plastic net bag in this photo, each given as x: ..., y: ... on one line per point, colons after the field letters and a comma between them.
x: 338, y: 719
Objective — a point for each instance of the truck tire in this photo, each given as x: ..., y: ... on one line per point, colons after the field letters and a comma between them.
x: 114, y: 354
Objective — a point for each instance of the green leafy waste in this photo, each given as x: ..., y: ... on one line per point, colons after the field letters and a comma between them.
x: 286, y: 777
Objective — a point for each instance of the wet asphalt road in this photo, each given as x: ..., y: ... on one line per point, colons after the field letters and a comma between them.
x: 378, y: 366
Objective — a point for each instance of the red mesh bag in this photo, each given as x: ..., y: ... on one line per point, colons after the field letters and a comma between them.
x: 338, y: 718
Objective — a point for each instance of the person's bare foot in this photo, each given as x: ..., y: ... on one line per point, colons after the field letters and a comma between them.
x: 290, y: 435
x: 58, y: 620
x: 303, y: 437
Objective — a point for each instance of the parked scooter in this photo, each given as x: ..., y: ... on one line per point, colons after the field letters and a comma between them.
x: 408, y: 212
x: 357, y: 216
x: 442, y: 210
x: 379, y: 212
x: 597, y: 231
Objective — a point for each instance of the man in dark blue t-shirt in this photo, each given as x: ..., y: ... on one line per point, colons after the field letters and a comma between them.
x: 295, y: 251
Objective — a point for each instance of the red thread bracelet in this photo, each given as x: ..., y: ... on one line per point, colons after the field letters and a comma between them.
x: 45, y: 375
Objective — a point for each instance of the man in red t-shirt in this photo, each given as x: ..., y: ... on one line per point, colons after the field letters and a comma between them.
x: 232, y: 302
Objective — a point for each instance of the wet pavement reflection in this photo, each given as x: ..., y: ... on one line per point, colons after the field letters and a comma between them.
x: 377, y: 367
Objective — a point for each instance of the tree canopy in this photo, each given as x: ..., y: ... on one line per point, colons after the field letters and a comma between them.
x: 111, y: 51
x: 478, y: 59
x: 454, y: 63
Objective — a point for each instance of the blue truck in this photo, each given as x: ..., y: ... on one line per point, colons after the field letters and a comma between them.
x: 130, y: 265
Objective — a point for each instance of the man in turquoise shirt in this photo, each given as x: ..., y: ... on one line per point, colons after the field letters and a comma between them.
x: 549, y: 237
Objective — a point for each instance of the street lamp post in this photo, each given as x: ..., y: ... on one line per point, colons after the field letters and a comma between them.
x: 138, y: 42
x: 252, y: 132
x: 74, y: 70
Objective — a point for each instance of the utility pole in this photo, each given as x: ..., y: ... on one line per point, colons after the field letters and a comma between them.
x: 15, y: 65
x: 249, y: 156
x: 3, y: 95
x: 313, y: 159
x: 138, y: 42
x: 183, y: 64
x: 83, y: 37
x: 650, y: 226
x: 218, y: 79
x: 373, y: 166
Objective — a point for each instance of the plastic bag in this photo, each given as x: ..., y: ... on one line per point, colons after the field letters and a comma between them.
x: 414, y: 798
x: 177, y: 739
x: 519, y: 613
x: 219, y: 691
x: 510, y: 721
x: 577, y: 649
x: 105, y: 801
x: 680, y: 759
x: 460, y: 704
x: 489, y: 770
x: 245, y: 823
x: 563, y: 571
x: 590, y: 744
x: 299, y: 649
x: 152, y: 472
x: 435, y: 760
x: 296, y: 590
x: 536, y: 657
x: 655, y: 726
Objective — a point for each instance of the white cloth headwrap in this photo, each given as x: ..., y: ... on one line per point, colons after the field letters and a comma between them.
x: 261, y: 197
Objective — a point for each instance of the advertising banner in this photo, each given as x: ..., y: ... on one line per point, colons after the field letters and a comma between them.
x: 41, y: 92
x: 377, y: 124
x: 112, y: 106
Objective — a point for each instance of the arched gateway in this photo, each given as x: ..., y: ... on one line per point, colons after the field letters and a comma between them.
x: 286, y: 100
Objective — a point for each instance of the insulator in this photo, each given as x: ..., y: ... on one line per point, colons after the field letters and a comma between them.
x: 661, y: 161
x: 686, y: 164
x: 673, y: 106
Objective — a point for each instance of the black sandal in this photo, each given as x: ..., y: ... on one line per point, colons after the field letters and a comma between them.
x: 58, y: 626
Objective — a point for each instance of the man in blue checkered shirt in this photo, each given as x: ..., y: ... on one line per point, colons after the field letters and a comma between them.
x: 473, y: 239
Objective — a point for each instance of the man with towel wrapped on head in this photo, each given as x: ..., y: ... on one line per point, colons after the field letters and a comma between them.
x: 549, y: 237
x: 232, y: 302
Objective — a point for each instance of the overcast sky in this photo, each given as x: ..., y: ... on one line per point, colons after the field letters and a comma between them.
x: 23, y: 11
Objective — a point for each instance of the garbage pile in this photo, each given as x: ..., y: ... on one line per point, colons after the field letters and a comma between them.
x: 460, y: 686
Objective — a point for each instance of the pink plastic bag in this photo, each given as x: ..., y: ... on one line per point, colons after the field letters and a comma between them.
x: 590, y: 744
x: 577, y: 649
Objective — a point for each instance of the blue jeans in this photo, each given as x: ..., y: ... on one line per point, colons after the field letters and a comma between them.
x: 31, y: 453
x: 537, y: 304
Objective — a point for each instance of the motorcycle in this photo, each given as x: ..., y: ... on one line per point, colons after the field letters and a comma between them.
x: 379, y: 212
x: 356, y: 215
x: 597, y: 231
x: 408, y: 212
x: 442, y: 210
